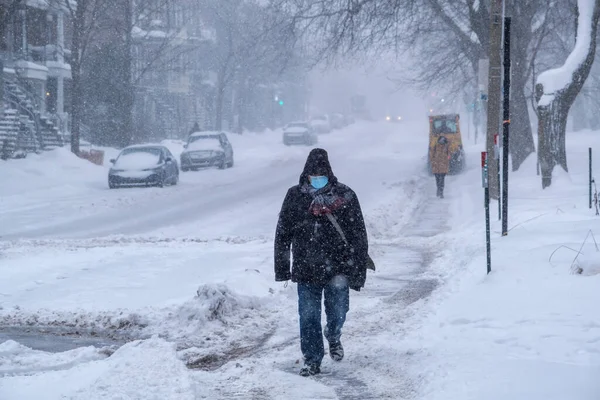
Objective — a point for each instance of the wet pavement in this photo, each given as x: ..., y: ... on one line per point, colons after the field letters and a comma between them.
x: 54, y: 340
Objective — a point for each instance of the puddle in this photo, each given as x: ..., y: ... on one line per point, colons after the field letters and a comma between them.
x: 55, y: 340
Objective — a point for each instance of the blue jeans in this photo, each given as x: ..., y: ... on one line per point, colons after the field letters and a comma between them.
x: 337, y: 303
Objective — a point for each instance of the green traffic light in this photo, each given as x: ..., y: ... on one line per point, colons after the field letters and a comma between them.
x: 280, y: 102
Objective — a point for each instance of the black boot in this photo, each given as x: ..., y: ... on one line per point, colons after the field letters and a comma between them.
x: 336, y: 351
x: 310, y: 369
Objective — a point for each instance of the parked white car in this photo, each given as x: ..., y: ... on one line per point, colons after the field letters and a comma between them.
x: 300, y: 132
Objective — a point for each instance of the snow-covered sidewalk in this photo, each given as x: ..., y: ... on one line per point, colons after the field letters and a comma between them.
x: 531, y: 329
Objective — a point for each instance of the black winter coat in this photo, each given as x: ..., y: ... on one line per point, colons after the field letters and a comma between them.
x: 319, y: 252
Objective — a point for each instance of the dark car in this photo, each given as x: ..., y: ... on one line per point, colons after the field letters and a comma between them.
x: 143, y: 165
x: 207, y: 149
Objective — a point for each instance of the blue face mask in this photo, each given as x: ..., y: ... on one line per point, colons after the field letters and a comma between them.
x: 319, y: 182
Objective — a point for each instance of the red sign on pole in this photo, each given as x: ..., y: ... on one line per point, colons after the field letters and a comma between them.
x: 484, y: 169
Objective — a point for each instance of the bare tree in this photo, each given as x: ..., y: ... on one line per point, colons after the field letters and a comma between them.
x: 136, y: 39
x: 446, y: 37
x: 85, y: 16
x: 557, y: 89
x: 247, y: 38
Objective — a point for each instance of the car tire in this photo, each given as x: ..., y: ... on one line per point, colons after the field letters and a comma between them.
x: 175, y: 180
x: 161, y: 181
x: 111, y: 185
x: 230, y: 165
x: 223, y: 165
x: 184, y: 169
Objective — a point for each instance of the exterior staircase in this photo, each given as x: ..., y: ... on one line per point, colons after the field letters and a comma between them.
x: 23, y: 128
x: 9, y: 131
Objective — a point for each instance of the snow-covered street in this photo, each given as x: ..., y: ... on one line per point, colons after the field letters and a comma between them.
x: 170, y: 294
x: 299, y: 200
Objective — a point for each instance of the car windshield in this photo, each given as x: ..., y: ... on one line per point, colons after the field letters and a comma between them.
x: 444, y: 126
x: 138, y: 158
x: 198, y: 143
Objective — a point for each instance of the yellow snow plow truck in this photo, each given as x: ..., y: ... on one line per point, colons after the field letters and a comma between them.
x: 447, y: 125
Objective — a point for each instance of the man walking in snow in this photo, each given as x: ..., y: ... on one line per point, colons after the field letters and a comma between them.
x: 439, y: 156
x: 322, y: 222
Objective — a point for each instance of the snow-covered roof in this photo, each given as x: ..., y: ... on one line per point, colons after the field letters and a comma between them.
x: 58, y: 64
x: 22, y: 64
x: 139, y: 33
x: 42, y: 4
x: 54, y: 4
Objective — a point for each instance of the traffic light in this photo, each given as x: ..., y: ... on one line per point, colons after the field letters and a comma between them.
x: 280, y: 102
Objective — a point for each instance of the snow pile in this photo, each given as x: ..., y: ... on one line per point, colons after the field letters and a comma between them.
x: 49, y: 172
x: 146, y: 369
x: 113, y: 323
x: 589, y: 264
x: 558, y: 79
x: 213, y: 303
x: 218, y: 301
x: 530, y: 329
x: 16, y: 359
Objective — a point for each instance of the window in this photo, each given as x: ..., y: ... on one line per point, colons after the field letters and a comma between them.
x: 444, y: 126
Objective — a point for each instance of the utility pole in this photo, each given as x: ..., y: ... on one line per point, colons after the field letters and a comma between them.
x: 505, y: 126
x: 494, y: 86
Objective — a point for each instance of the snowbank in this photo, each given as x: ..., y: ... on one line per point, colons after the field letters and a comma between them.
x: 146, y: 369
x: 530, y: 329
x: 50, y: 172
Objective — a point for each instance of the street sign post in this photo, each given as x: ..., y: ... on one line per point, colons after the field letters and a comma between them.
x: 497, y: 158
x: 590, y: 176
x: 505, y: 126
x: 486, y: 189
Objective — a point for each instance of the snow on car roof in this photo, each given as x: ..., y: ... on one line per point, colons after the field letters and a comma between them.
x: 205, y: 133
x: 145, y: 146
x: 296, y: 129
